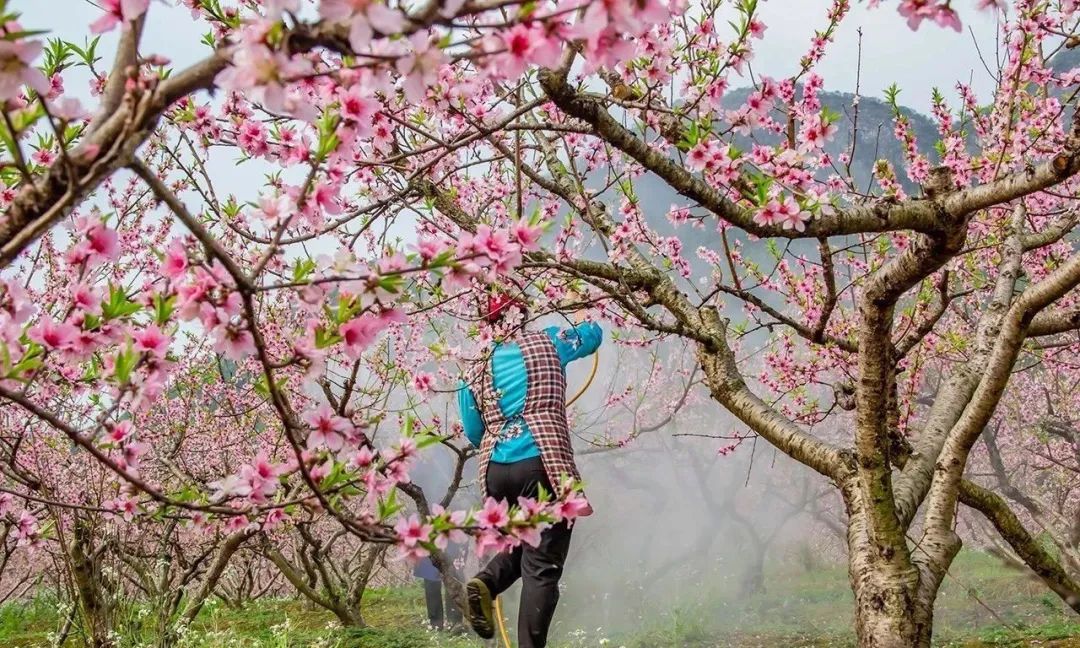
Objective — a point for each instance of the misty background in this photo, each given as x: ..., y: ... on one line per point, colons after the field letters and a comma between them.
x: 686, y: 539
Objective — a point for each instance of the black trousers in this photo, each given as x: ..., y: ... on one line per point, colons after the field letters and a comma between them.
x: 540, y: 567
x: 433, y: 597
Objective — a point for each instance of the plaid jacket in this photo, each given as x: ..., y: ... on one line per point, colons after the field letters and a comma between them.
x: 544, y: 412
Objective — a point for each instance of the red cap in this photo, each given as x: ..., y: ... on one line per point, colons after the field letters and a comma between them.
x: 499, y: 304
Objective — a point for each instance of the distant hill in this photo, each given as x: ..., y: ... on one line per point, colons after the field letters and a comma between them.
x: 875, y: 132
x: 1065, y: 59
x: 875, y: 141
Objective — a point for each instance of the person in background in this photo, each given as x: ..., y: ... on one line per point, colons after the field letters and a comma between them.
x: 433, y: 591
x: 519, y: 424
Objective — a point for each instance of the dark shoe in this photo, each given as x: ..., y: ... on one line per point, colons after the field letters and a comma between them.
x: 457, y: 630
x: 478, y: 597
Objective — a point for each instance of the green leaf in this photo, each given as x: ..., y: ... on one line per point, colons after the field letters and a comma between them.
x: 891, y: 95
x: 163, y: 308
x: 389, y: 506
x: 30, y: 362
x: 10, y: 175
x: 774, y: 249
x: 336, y: 477
x: 262, y: 387
x: 391, y: 283
x: 427, y: 440
x: 762, y: 184
x: 326, y: 338
x: 26, y: 33
x: 118, y: 304
x: 24, y: 119
x: 829, y: 116
x: 627, y: 188
x: 88, y: 54
x: 231, y: 208
x: 302, y: 269
x: 57, y: 54
x: 71, y: 132
x: 882, y: 245
x: 125, y: 364
x: 957, y: 340
x: 187, y: 494
x: 527, y: 9
x: 441, y: 260
x: 93, y: 370
x: 328, y: 139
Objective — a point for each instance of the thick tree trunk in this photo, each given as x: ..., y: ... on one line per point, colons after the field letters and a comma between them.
x: 888, y: 610
x: 347, y: 616
x: 90, y: 587
x: 887, y: 613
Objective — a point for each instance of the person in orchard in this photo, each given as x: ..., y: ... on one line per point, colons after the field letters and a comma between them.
x: 440, y: 616
x: 514, y: 410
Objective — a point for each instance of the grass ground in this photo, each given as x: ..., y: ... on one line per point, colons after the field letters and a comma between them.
x: 981, y: 605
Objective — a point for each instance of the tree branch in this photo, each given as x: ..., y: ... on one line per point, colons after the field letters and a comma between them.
x: 1010, y: 527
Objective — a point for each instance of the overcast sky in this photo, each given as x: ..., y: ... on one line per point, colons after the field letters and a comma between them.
x: 891, y: 52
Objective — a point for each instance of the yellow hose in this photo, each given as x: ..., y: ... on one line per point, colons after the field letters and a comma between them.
x: 502, y: 626
x: 588, y: 381
x: 570, y: 401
